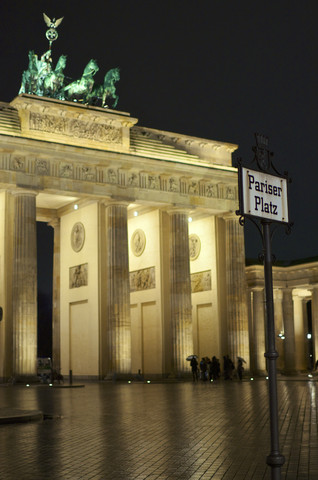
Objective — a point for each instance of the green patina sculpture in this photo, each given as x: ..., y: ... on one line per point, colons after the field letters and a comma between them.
x: 41, y: 79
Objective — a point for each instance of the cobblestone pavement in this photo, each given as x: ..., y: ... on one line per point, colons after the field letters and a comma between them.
x: 159, y: 431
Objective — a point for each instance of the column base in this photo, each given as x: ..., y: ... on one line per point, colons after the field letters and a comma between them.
x: 289, y: 373
x: 26, y: 379
x: 118, y: 376
x: 180, y: 376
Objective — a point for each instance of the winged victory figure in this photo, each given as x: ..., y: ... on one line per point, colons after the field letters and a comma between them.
x: 52, y: 23
x: 51, y: 33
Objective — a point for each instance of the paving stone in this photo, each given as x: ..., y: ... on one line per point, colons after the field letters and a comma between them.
x: 159, y: 432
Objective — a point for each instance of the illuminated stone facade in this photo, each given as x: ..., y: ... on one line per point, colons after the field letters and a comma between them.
x: 136, y: 286
x: 296, y: 316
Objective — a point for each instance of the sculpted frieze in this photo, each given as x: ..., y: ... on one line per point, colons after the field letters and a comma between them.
x: 17, y: 163
x: 66, y: 170
x: 193, y: 188
x: 153, y: 182
x: 133, y: 179
x: 142, y: 279
x: 42, y: 167
x: 78, y: 276
x: 75, y: 128
x: 211, y: 190
x: 118, y: 175
x: 174, y: 185
x: 88, y: 173
x: 230, y: 193
x: 201, y: 281
x: 111, y: 176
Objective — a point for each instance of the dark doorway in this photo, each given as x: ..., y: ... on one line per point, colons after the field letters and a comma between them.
x: 45, y: 242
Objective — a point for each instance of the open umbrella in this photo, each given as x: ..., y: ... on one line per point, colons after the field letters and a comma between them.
x: 189, y: 357
x: 242, y: 359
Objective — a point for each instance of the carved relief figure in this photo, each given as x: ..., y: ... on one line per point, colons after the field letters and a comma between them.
x: 142, y: 279
x: 78, y: 236
x: 229, y: 193
x: 201, y: 281
x: 17, y: 163
x: 133, y: 180
x: 193, y: 188
x: 88, y: 173
x: 112, y: 176
x: 138, y: 242
x: 66, y: 170
x: 194, y: 246
x: 173, y: 185
x: 153, y: 182
x: 211, y: 190
x: 78, y: 276
x: 42, y: 167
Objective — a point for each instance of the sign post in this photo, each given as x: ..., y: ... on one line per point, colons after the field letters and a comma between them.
x: 264, y: 200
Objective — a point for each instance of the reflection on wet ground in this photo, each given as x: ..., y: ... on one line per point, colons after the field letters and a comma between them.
x: 159, y: 431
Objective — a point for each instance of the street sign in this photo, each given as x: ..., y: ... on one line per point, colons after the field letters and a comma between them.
x: 264, y: 200
x: 263, y: 196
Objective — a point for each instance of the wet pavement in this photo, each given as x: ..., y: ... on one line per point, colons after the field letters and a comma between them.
x: 123, y: 431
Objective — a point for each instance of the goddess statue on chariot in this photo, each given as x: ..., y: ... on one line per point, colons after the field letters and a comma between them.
x: 43, y: 80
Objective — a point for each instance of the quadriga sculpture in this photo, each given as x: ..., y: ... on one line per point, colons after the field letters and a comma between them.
x: 105, y: 91
x: 41, y: 79
x: 79, y: 89
x: 54, y: 80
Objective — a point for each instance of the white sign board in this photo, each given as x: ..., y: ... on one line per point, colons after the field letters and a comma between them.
x: 264, y: 196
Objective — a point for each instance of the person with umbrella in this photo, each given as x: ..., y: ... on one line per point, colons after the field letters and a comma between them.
x: 194, y: 366
x: 240, y: 368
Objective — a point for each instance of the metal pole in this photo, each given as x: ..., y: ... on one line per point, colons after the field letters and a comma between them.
x: 275, y: 460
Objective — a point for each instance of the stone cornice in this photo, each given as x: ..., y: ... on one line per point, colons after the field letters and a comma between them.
x: 213, y: 152
x: 305, y: 275
x: 63, y: 122
x: 52, y: 167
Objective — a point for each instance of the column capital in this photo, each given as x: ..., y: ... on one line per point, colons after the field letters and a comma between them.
x: 24, y: 191
x: 180, y: 210
x: 55, y: 222
x: 257, y: 289
x: 230, y: 216
x: 113, y: 203
x: 287, y: 289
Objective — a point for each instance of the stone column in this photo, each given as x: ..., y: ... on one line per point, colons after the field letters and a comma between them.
x: 300, y: 334
x: 259, y: 331
x: 289, y: 331
x: 180, y: 293
x: 118, y: 291
x: 56, y: 339
x: 24, y: 288
x: 314, y: 314
x: 279, y: 328
x: 237, y: 316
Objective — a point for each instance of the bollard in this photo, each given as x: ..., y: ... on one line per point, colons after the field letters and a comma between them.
x: 71, y: 377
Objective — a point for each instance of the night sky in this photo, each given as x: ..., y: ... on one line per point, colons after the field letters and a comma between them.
x: 214, y: 69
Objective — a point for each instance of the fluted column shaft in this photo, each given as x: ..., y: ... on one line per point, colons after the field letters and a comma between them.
x: 289, y: 331
x: 237, y: 316
x: 24, y: 286
x: 118, y: 292
x: 180, y: 293
x: 314, y: 306
x: 259, y: 331
x: 56, y: 338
